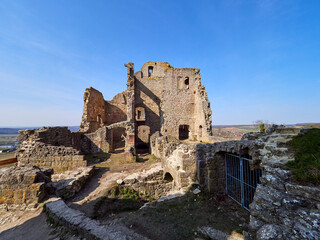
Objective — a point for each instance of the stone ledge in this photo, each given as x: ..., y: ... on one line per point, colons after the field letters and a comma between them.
x: 76, y: 221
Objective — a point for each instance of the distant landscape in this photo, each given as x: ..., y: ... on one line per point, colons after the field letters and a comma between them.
x: 8, y: 136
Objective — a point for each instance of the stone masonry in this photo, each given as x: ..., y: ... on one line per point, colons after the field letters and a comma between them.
x: 23, y: 185
x: 281, y: 208
x: 49, y: 148
x: 159, y: 98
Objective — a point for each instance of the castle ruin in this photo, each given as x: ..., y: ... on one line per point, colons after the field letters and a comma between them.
x: 159, y: 98
x: 165, y: 111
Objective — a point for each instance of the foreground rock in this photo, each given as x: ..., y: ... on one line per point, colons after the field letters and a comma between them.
x: 23, y: 185
x: 66, y: 185
x: 75, y: 221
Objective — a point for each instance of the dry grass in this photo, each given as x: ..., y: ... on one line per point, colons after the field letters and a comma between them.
x: 179, y: 218
x: 4, y: 156
x: 120, y: 162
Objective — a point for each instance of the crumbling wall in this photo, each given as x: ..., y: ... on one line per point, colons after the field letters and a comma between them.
x: 49, y: 148
x: 116, y: 109
x: 159, y: 98
x: 171, y: 97
x: 179, y: 160
x: 182, y: 165
x: 94, y: 115
x: 148, y: 94
x: 22, y: 185
x: 149, y: 183
x: 98, y: 141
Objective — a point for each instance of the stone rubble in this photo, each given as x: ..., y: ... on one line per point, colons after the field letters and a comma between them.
x: 66, y: 185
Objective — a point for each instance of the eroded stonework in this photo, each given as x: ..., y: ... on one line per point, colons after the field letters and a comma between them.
x: 23, y: 185
x: 281, y: 207
x: 159, y: 98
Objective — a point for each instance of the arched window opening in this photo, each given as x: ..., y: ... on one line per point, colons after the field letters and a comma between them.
x: 168, y: 177
x: 150, y: 71
x: 186, y: 83
x: 200, y: 131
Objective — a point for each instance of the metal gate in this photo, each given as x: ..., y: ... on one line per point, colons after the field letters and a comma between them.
x: 241, y: 181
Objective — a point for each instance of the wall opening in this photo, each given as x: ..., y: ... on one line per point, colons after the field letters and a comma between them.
x: 241, y: 181
x: 150, y: 71
x: 140, y: 114
x: 99, y: 119
x: 183, y: 132
x: 118, y: 139
x: 168, y: 177
x: 186, y: 83
x: 200, y: 131
x: 142, y: 148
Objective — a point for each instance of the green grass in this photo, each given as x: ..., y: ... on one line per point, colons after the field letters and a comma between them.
x: 116, y: 200
x: 179, y: 218
x: 306, y: 166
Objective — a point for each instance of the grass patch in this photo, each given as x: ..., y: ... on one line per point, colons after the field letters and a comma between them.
x: 147, y: 157
x: 179, y: 218
x: 95, y: 157
x: 306, y: 166
x: 116, y: 200
x: 4, y: 156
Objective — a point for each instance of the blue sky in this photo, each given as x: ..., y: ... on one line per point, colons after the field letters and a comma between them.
x: 258, y: 59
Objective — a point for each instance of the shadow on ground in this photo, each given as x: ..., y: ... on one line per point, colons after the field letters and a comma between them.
x: 35, y: 228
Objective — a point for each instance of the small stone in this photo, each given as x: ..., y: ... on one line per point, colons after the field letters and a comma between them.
x: 196, y: 191
x: 119, y: 181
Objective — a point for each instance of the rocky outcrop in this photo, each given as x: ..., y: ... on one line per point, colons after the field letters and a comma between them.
x: 283, y: 209
x: 23, y: 185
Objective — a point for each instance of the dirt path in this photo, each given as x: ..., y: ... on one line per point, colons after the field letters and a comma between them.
x: 104, y: 179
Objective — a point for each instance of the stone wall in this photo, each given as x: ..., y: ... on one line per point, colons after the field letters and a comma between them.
x: 116, y: 109
x: 94, y: 115
x: 49, y: 148
x: 151, y: 183
x: 159, y: 98
x: 58, y: 148
x: 22, y: 185
x: 171, y: 97
x: 179, y: 160
x: 98, y: 141
x: 281, y: 209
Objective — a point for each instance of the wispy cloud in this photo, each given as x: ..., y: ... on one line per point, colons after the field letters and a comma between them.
x: 31, y: 89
